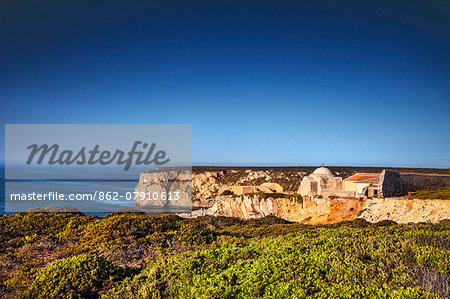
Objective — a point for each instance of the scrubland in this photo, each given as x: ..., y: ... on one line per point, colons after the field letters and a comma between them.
x: 62, y: 255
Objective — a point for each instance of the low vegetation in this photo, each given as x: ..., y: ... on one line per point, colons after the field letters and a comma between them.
x: 79, y: 276
x: 435, y: 194
x: 61, y: 255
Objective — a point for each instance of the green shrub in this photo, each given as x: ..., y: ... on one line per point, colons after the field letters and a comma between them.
x: 219, y: 257
x: 435, y: 194
x: 117, y: 231
x: 83, y: 276
x: 385, y: 223
x: 22, y: 278
x: 194, y: 233
x: 371, y: 262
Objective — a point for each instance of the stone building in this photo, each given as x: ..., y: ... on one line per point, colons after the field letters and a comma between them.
x: 324, y: 183
x: 363, y: 184
x: 388, y: 183
x: 321, y: 179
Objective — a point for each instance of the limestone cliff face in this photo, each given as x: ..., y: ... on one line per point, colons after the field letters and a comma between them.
x: 324, y: 211
x: 205, y: 186
x: 155, y: 190
x: 309, y: 211
x: 403, y: 210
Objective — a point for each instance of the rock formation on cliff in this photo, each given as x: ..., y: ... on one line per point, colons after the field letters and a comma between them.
x: 206, y: 183
x: 165, y: 190
x: 326, y: 210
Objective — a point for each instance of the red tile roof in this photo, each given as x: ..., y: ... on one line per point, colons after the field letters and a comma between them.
x: 364, y: 178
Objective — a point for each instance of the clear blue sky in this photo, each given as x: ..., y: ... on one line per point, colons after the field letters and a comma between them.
x: 262, y: 82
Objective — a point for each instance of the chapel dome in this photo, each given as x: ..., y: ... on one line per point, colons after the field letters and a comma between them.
x: 323, y: 171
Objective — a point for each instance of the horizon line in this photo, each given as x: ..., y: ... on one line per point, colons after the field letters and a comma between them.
x: 220, y: 164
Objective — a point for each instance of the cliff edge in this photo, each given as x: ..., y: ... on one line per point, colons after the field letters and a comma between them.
x: 326, y: 210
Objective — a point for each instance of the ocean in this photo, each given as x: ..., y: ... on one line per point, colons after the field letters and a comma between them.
x: 119, y: 190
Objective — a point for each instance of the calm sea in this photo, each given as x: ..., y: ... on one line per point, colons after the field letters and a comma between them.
x: 111, y: 184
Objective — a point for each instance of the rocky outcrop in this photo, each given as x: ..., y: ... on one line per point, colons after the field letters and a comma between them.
x: 310, y: 211
x: 201, y: 188
x: 205, y: 186
x: 325, y: 210
x: 403, y: 210
x: 165, y: 190
x: 207, y: 181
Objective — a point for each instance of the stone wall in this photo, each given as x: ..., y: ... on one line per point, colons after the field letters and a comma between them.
x: 390, y: 184
x: 413, y: 181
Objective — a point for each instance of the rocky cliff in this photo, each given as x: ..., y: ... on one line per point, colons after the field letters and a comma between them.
x: 403, y: 210
x: 310, y: 211
x: 324, y: 210
x: 206, y: 182
x: 205, y: 186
